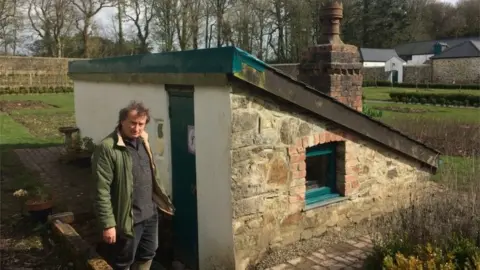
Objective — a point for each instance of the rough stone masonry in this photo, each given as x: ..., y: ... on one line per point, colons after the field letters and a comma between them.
x: 268, y: 176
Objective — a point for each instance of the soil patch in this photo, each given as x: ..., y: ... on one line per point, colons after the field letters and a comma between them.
x: 23, y: 244
x: 12, y: 105
x: 45, y: 126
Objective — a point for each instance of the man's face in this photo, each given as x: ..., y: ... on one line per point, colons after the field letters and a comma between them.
x: 134, y: 125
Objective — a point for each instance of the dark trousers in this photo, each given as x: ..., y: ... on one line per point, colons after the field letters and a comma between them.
x: 126, y: 250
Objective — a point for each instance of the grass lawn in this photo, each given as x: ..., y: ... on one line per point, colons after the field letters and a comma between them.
x: 401, y: 111
x: 382, y: 93
x: 33, y: 120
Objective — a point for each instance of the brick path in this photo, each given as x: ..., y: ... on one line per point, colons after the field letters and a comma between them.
x: 347, y: 255
x: 68, y: 183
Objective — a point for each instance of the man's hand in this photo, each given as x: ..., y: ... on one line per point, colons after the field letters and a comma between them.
x: 109, y: 235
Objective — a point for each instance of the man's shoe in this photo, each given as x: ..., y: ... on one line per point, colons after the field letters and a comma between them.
x: 141, y: 265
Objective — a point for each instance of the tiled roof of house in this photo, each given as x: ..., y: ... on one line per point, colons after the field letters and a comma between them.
x: 377, y: 55
x: 466, y: 49
x: 426, y: 47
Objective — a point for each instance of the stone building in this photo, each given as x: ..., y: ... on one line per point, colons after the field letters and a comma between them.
x: 252, y: 157
x: 459, y: 64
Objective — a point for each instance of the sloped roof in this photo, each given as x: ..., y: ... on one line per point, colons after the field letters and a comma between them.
x: 238, y: 65
x: 426, y: 47
x: 463, y: 50
x: 377, y: 55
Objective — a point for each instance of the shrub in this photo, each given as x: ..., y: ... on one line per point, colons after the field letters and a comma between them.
x: 436, y: 99
x: 421, y: 85
x: 372, y: 112
x: 35, y: 90
x: 437, y: 231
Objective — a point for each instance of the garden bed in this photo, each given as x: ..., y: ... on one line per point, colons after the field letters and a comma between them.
x: 12, y: 105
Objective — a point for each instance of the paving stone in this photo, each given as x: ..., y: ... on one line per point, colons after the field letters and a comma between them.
x: 282, y: 266
x: 319, y: 267
x: 346, y: 255
x: 296, y: 261
x: 68, y: 183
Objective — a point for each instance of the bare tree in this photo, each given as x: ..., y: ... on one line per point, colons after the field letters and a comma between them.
x: 141, y: 13
x: 219, y: 8
x: 11, y: 19
x: 87, y: 10
x: 51, y: 20
x: 165, y: 20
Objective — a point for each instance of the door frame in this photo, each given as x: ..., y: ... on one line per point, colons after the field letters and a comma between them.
x: 181, y: 90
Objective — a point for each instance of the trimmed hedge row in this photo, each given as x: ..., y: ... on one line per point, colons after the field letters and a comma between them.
x: 36, y: 90
x: 422, y: 85
x: 437, y: 99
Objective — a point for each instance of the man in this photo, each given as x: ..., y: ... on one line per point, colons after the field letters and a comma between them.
x: 128, y: 192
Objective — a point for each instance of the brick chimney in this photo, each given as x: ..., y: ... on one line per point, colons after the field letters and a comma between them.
x: 332, y: 66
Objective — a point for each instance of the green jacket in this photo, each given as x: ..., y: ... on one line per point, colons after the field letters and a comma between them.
x: 113, y: 177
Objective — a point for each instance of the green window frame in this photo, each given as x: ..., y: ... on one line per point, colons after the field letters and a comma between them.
x: 329, y: 191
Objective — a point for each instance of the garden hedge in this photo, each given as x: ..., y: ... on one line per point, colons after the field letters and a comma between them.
x: 36, y: 90
x: 437, y: 99
x: 421, y: 85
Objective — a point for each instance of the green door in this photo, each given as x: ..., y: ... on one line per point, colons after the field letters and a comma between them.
x: 185, y: 232
x: 394, y: 76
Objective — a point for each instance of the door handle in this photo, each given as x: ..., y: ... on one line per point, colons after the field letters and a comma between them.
x: 193, y: 189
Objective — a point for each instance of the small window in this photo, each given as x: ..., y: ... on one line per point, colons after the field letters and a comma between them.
x: 321, y: 182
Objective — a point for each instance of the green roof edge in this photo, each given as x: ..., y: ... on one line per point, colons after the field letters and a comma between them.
x: 212, y: 60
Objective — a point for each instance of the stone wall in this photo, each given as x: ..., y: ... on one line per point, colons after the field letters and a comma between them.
x: 445, y: 71
x: 417, y: 74
x: 411, y: 74
x: 457, y: 71
x: 374, y: 74
x: 18, y: 71
x: 268, y: 176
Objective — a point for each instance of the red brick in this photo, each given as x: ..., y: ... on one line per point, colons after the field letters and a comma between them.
x: 316, y: 139
x: 294, y: 166
x: 355, y: 184
x: 321, y: 137
x: 298, y: 143
x: 297, y: 198
x: 340, y: 135
x: 305, y: 142
x: 292, y: 150
x: 302, y: 166
x: 297, y: 158
x: 301, y: 189
x: 299, y: 174
x: 328, y: 137
x: 349, y: 178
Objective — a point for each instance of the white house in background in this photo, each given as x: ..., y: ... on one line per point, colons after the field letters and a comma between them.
x: 394, y: 66
x: 387, y: 58
x: 376, y: 57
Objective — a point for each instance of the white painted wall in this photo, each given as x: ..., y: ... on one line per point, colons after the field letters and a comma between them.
x: 212, y: 147
x: 419, y: 59
x: 373, y: 64
x: 395, y: 63
x: 96, y: 113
